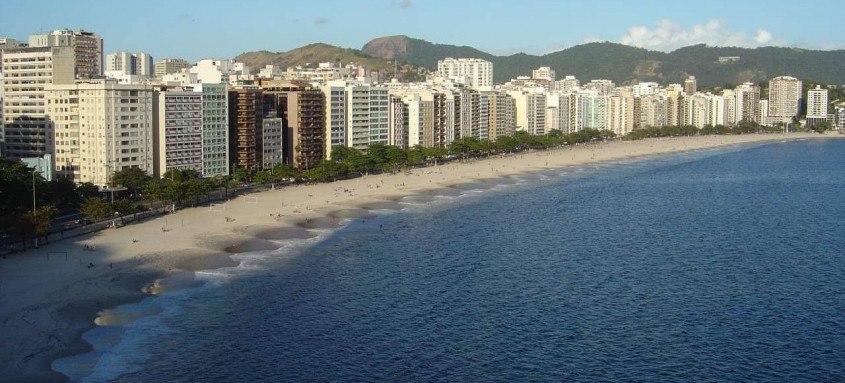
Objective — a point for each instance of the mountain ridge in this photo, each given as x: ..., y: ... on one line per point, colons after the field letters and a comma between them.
x: 619, y: 63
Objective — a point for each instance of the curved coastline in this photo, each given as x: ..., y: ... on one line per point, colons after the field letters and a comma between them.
x: 50, y: 297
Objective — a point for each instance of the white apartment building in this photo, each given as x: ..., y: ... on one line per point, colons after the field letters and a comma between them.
x: 604, y: 87
x: 543, y: 73
x: 568, y: 84
x: 817, y: 103
x: 479, y: 73
x: 730, y: 107
x: 177, y: 131
x: 367, y: 114
x: 784, y: 99
x: 747, y: 102
x: 168, y: 66
x: 123, y: 62
x: 817, y: 106
x: 415, y: 114
x: 271, y: 71
x: 620, y: 112
x: 336, y: 105
x: 530, y: 110
x: 219, y: 71
x: 100, y: 127
x: 26, y: 71
x: 645, y: 89
x: 322, y: 73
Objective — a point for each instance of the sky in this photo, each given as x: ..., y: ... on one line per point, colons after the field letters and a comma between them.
x: 197, y: 29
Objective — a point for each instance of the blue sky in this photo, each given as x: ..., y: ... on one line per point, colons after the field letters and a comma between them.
x: 195, y: 29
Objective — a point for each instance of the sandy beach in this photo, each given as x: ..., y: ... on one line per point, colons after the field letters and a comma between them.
x: 50, y: 296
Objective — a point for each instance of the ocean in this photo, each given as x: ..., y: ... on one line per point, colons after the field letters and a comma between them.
x: 720, y: 265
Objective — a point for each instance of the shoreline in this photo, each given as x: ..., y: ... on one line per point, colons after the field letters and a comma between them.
x: 49, y: 297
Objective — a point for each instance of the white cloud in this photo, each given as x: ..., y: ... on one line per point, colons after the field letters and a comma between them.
x: 667, y: 35
x: 763, y: 36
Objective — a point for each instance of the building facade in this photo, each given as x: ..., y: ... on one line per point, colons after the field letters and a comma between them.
x: 817, y: 106
x: 169, y: 66
x: 478, y: 72
x: 100, y: 127
x: 215, y: 129
x: 246, y: 111
x: 27, y: 71
x: 87, y: 49
x: 177, y: 131
x: 784, y: 99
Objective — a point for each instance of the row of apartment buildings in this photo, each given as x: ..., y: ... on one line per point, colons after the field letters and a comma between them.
x: 216, y: 115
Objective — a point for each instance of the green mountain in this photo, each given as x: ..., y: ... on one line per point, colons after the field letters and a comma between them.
x: 625, y: 64
x: 317, y: 53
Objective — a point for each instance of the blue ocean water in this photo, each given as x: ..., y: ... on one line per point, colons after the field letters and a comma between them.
x: 715, y: 266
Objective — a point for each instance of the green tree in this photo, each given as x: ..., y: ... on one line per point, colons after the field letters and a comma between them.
x: 821, y: 126
x: 95, y: 209
x: 262, y: 177
x: 87, y: 190
x: 240, y: 175
x: 415, y: 155
x: 124, y: 207
x: 41, y: 220
x: 196, y: 188
x: 154, y: 190
x: 134, y: 179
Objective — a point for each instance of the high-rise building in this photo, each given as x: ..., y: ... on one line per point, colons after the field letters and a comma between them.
x: 784, y: 99
x: 177, y: 131
x: 336, y: 105
x: 367, y: 116
x: 144, y: 65
x: 168, y: 66
x: 690, y: 86
x: 817, y: 106
x: 398, y: 123
x: 747, y: 102
x: 87, y: 48
x: 215, y: 129
x: 477, y: 72
x: 125, y: 63
x: 246, y: 112
x: 26, y: 130
x: 303, y: 112
x: 272, y: 133
x: 5, y: 43
x: 530, y: 111
x: 620, y: 111
x: 502, y: 115
x: 100, y: 127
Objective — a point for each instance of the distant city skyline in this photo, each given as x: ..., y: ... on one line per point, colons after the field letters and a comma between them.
x: 215, y: 29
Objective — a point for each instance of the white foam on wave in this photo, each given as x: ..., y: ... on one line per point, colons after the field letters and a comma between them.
x: 120, y: 349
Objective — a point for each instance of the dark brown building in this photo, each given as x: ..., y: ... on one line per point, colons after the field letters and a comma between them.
x: 246, y: 109
x: 303, y: 112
